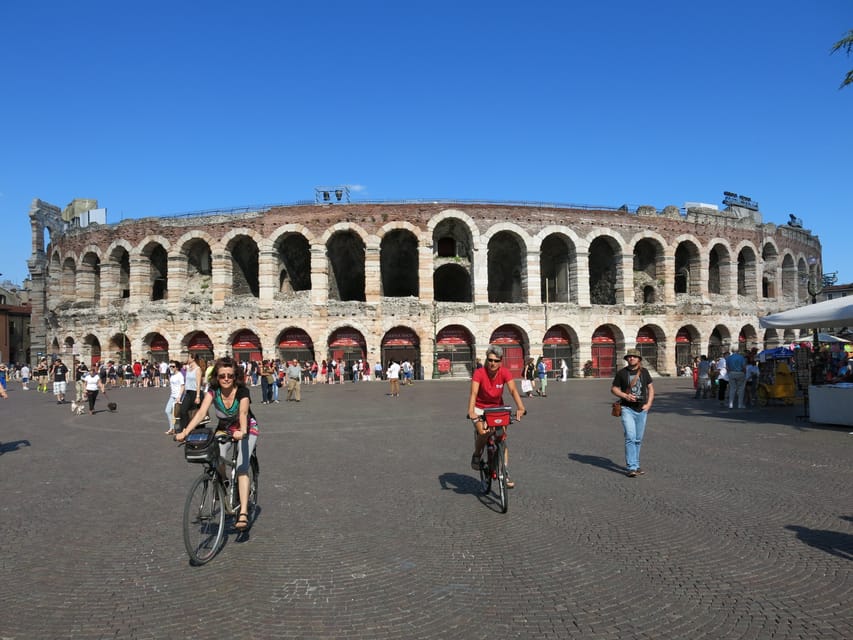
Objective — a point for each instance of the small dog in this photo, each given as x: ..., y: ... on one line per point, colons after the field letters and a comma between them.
x: 78, y: 409
x: 112, y: 406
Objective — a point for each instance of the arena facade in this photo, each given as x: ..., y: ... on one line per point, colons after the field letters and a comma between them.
x: 435, y: 282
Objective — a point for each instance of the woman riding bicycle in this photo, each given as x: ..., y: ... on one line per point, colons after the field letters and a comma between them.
x: 487, y: 385
x: 230, y: 398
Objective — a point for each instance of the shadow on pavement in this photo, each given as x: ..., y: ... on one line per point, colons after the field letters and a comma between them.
x: 7, y: 447
x: 597, y: 461
x: 834, y: 542
x: 460, y: 483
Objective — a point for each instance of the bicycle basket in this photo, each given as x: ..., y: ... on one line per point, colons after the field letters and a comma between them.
x: 201, y: 446
x: 497, y: 416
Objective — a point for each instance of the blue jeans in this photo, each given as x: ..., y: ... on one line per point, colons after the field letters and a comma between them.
x: 634, y: 425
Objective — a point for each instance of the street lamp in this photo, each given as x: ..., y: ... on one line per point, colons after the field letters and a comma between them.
x: 815, y: 288
x: 434, y: 318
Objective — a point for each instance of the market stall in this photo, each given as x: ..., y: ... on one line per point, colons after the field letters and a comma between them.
x: 829, y: 404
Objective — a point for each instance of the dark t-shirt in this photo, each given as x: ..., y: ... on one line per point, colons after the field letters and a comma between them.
x: 640, y: 388
x: 60, y: 373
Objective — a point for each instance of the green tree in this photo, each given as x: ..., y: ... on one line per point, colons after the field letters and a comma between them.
x: 846, y: 43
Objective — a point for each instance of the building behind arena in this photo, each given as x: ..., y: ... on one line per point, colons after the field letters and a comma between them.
x: 434, y: 282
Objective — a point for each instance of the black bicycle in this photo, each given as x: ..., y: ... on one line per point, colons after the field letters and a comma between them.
x: 493, y: 469
x: 212, y: 497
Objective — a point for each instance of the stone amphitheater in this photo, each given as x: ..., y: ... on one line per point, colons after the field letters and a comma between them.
x: 434, y: 282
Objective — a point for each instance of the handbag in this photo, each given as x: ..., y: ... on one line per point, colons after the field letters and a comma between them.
x: 526, y: 386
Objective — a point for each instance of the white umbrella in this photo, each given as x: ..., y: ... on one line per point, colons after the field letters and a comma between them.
x: 832, y: 313
x: 825, y: 337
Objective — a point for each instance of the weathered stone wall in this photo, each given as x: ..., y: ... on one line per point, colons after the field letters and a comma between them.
x: 96, y: 312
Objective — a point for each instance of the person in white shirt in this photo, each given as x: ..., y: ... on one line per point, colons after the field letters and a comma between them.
x: 393, y: 373
x: 176, y: 390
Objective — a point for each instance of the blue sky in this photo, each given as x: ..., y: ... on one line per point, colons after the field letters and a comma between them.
x: 157, y: 108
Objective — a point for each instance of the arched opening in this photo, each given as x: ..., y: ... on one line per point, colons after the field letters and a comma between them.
x: 686, y: 346
x: 200, y: 345
x: 398, y: 259
x: 120, y: 348
x: 647, y: 344
x: 558, y: 276
x: 746, y: 273
x: 347, y: 345
x: 556, y: 350
x: 158, y: 275
x: 687, y: 265
x: 603, y: 353
x: 455, y: 352
x: 452, y: 283
x: 246, y: 346
x: 717, y: 342
x: 294, y: 264
x: 507, y: 268
x: 244, y: 267
x: 603, y: 271
x: 648, y: 269
x: 296, y: 344
x: 158, y: 348
x: 718, y: 270
x: 514, y: 344
x: 199, y: 263
x: 402, y: 343
x: 345, y: 252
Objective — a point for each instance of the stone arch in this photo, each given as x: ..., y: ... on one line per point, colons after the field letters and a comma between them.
x: 802, y: 279
x: 68, y: 282
x: 452, y: 283
x: 747, y: 271
x: 558, y: 273
x: 118, y: 261
x: 688, y: 345
x: 345, y: 251
x: 507, y: 267
x: 89, y: 276
x: 293, y: 262
x: 688, y: 266
x: 244, y: 253
x: 649, y: 269
x: 398, y: 263
x: 605, y: 265
x: 789, y: 278
x: 719, y: 268
x: 197, y: 254
x: 157, y: 268
x: 719, y: 341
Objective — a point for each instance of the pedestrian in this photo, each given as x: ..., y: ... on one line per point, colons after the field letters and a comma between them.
x: 704, y: 377
x: 294, y: 384
x: 3, y: 377
x: 736, y: 369
x: 722, y: 378
x: 542, y: 374
x: 564, y: 368
x: 42, y: 375
x: 393, y: 373
x: 79, y: 385
x: 191, y: 399
x: 528, y: 378
x: 94, y: 384
x: 752, y: 372
x: 408, y: 372
x: 377, y: 370
x: 176, y: 390
x: 25, y: 377
x: 59, y: 373
x: 633, y: 386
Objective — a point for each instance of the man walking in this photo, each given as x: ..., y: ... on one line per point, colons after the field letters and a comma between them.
x: 704, y: 379
x: 59, y: 374
x: 633, y: 386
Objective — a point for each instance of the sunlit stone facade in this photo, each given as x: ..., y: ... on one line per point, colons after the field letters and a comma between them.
x: 433, y: 282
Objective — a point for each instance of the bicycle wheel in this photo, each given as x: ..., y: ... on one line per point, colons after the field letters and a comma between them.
x: 204, y: 519
x: 502, y: 492
x: 485, y: 477
x: 254, y: 472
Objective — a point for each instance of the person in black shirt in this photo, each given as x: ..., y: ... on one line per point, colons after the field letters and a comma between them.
x: 59, y: 373
x: 633, y: 386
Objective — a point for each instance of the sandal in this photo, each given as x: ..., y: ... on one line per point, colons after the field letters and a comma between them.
x: 242, y: 522
x: 510, y: 484
x: 170, y: 432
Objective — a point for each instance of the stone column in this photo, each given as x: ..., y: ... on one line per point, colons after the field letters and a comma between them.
x: 220, y: 278
x: 176, y: 278
x: 319, y: 275
x: 582, y: 271
x: 140, y: 282
x: 267, y: 276
x: 625, y: 280
x: 668, y: 277
x: 480, y: 274
x: 372, y: 273
x: 426, y: 268
x: 534, y: 288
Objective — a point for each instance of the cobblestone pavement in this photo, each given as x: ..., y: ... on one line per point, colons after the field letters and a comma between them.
x: 371, y: 526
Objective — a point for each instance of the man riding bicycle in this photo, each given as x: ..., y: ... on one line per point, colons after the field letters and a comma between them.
x: 487, y: 385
